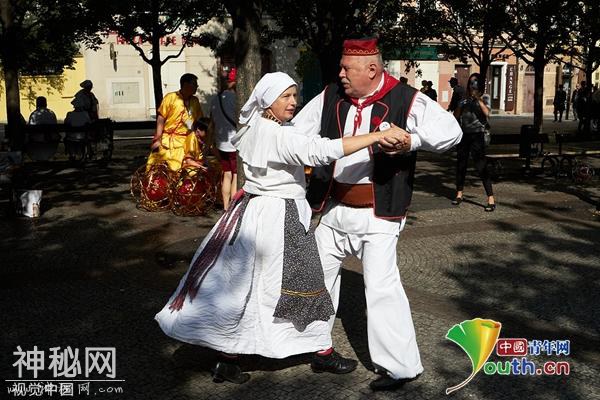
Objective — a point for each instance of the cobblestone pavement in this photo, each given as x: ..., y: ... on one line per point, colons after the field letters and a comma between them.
x: 93, y: 271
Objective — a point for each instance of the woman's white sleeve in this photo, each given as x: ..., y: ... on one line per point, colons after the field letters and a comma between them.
x: 294, y: 148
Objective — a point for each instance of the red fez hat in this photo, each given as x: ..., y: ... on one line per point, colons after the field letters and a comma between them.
x: 360, y: 47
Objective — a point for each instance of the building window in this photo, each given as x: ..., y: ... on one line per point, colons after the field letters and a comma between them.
x: 126, y: 92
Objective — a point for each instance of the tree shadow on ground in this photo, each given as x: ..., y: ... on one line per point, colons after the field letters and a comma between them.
x: 541, y: 285
x: 85, y: 274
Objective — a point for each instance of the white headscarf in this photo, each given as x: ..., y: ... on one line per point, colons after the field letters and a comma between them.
x: 266, y: 91
x: 249, y: 141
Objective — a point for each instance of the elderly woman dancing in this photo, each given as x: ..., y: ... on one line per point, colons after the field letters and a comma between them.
x: 255, y: 284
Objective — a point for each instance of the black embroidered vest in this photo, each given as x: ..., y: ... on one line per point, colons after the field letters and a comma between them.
x: 392, y: 176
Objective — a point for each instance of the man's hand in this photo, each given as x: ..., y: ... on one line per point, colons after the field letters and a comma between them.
x: 155, y: 146
x: 395, y: 141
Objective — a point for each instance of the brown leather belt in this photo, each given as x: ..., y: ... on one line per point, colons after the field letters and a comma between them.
x: 359, y: 196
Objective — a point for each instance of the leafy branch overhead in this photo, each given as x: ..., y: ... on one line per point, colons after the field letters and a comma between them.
x: 322, y: 26
x: 38, y: 29
x: 150, y: 21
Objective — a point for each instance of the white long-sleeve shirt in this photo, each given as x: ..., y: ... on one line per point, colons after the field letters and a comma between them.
x: 431, y: 128
x: 274, y: 157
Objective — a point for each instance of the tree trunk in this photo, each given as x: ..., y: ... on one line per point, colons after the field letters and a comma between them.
x: 156, y: 63
x: 483, y: 70
x: 539, y: 63
x: 157, y: 81
x: 485, y: 58
x: 11, y: 77
x: 13, y: 109
x: 246, y: 20
x: 246, y: 36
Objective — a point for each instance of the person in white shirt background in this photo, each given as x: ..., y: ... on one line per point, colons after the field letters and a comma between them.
x: 42, y: 115
x: 222, y: 112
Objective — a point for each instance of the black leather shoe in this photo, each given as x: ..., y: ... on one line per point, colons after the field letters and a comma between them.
x: 224, y: 371
x: 457, y: 201
x: 333, y: 363
x: 386, y: 382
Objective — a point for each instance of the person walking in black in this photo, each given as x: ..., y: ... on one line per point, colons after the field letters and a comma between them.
x: 560, y: 99
x: 458, y: 94
x: 574, y: 97
x: 431, y: 92
x: 583, y: 107
x: 472, y: 114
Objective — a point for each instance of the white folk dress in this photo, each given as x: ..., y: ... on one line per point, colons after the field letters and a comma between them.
x: 233, y: 309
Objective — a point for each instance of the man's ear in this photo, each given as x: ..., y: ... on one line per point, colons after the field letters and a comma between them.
x: 372, y: 70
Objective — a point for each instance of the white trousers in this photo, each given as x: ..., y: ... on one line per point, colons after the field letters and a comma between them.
x: 391, y: 334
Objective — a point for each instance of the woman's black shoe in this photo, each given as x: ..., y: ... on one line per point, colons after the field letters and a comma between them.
x: 229, y: 372
x: 489, y: 207
x: 334, y: 363
x: 457, y: 201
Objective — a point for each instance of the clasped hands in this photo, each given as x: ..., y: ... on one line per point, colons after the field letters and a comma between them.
x: 395, y: 140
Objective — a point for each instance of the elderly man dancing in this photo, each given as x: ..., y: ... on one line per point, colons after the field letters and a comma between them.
x: 365, y: 197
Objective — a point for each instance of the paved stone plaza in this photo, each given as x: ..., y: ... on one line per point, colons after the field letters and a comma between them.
x: 93, y: 271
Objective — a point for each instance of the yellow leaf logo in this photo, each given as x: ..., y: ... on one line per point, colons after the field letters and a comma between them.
x: 477, y: 337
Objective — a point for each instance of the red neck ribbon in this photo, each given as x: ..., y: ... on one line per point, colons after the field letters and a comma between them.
x: 388, y: 84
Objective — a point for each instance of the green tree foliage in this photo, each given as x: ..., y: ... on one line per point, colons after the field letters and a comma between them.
x: 39, y: 38
x: 584, y: 51
x: 473, y: 30
x: 322, y: 25
x: 537, y: 33
x: 585, y: 36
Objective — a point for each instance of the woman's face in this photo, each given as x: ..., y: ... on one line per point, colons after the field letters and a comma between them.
x: 473, y: 85
x: 284, y: 107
